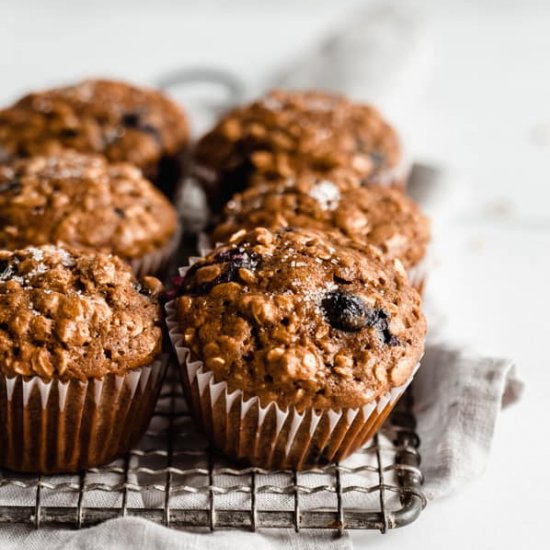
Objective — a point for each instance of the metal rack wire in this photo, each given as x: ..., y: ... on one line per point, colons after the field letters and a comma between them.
x: 174, y: 478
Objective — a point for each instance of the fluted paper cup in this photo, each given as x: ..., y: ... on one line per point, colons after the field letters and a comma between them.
x: 63, y: 427
x: 156, y: 262
x: 398, y: 176
x: 266, y: 435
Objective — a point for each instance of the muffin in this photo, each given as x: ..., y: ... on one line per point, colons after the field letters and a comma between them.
x: 286, y: 132
x: 80, y: 358
x: 119, y: 121
x: 84, y: 201
x: 294, y: 347
x: 380, y: 216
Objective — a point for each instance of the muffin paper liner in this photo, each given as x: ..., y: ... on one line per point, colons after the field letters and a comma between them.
x: 156, y: 262
x: 268, y: 436
x: 62, y: 427
x: 204, y: 244
x: 398, y: 176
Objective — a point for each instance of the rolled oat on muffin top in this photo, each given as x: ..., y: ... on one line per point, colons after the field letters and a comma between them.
x: 115, y: 119
x: 294, y: 317
x: 380, y: 216
x: 84, y: 201
x: 68, y: 314
x: 289, y: 131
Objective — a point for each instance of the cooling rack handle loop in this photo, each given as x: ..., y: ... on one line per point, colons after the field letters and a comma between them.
x: 229, y: 83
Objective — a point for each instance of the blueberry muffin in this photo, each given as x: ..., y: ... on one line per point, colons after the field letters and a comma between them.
x: 120, y: 121
x: 84, y: 201
x: 303, y: 329
x: 380, y: 216
x: 285, y: 132
x: 80, y: 368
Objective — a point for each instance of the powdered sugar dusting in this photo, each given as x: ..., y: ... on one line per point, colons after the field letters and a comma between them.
x: 66, y: 259
x: 36, y: 253
x: 271, y: 103
x: 9, y: 269
x: 326, y: 194
x: 38, y: 270
x: 320, y: 104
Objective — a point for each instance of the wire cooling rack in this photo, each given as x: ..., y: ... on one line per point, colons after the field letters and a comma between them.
x: 174, y: 478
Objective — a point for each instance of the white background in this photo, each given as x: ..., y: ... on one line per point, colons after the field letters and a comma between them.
x: 482, y: 114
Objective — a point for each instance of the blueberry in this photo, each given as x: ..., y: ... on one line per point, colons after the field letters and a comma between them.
x: 377, y: 158
x: 233, y: 259
x: 380, y: 320
x: 6, y: 270
x: 131, y: 120
x: 68, y: 133
x: 135, y: 121
x: 238, y: 257
x: 345, y: 311
x: 119, y: 212
x: 389, y: 339
x: 10, y: 186
x: 348, y: 312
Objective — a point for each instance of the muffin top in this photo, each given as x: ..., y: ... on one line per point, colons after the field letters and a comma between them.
x: 378, y: 215
x: 287, y: 131
x: 301, y: 318
x: 115, y: 119
x: 82, y: 200
x: 67, y: 314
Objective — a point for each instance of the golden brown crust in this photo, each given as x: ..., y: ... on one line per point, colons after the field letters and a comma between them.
x: 301, y: 318
x: 67, y: 314
x: 81, y: 200
x: 115, y: 119
x: 286, y: 132
x: 377, y: 215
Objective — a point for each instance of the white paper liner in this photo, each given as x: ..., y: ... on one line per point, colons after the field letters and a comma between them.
x: 155, y: 263
x: 397, y: 176
x: 51, y: 427
x: 204, y: 244
x: 268, y: 436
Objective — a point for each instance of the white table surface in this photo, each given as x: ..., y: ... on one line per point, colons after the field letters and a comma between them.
x: 484, y: 116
